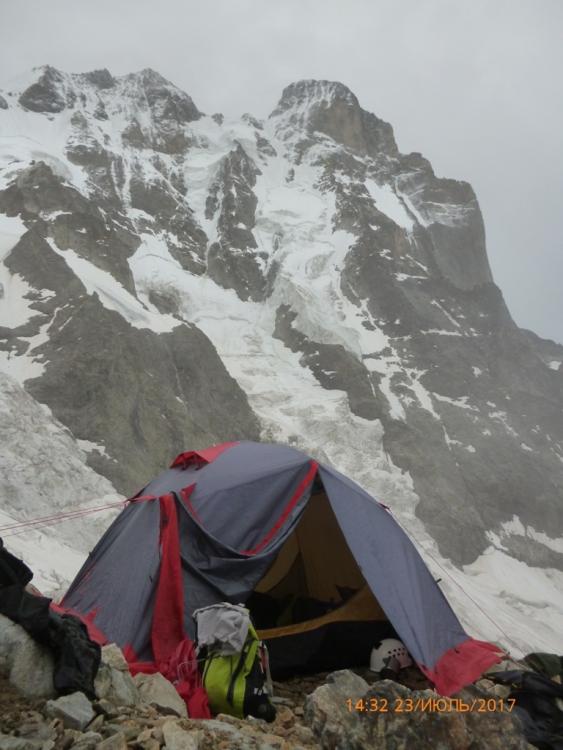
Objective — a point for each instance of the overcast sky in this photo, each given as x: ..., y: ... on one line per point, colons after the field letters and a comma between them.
x: 475, y: 85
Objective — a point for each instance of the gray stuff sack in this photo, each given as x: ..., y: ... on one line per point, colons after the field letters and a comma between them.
x: 222, y: 628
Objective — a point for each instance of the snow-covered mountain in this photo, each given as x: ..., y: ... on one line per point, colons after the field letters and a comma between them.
x: 172, y: 279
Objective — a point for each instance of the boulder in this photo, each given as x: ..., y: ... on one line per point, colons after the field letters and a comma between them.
x: 28, y: 665
x: 36, y: 729
x: 129, y: 728
x: 112, y: 655
x: 221, y: 726
x: 157, y: 691
x: 7, y: 742
x: 388, y: 715
x: 273, y: 742
x: 75, y: 710
x: 113, y: 682
x: 115, y: 742
x: 116, y: 685
x: 176, y: 738
x: 87, y: 741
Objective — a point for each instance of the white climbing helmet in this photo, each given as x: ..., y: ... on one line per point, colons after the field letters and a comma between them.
x: 389, y: 648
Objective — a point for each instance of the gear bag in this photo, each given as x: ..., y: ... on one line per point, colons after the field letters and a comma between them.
x: 235, y: 681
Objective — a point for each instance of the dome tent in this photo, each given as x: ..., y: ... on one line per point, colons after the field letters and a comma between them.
x: 244, y: 519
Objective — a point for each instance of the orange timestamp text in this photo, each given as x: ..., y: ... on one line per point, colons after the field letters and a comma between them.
x: 430, y: 705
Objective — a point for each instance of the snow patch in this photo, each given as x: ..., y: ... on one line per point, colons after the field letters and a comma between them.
x: 113, y: 295
x: 390, y: 204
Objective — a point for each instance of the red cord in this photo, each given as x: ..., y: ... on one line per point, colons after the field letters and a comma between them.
x: 38, y: 523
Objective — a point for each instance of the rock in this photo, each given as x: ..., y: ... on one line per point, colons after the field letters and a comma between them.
x: 155, y: 690
x: 105, y: 707
x: 303, y: 734
x: 158, y: 735
x: 7, y: 742
x: 228, y: 719
x: 279, y: 700
x: 37, y: 729
x: 217, y: 725
x: 115, y: 684
x: 28, y: 665
x: 112, y: 655
x: 486, y: 685
x: 328, y: 700
x: 115, y: 742
x: 149, y: 744
x: 75, y: 710
x: 285, y: 717
x: 273, y: 742
x: 87, y: 741
x: 336, y: 725
x: 176, y: 738
x: 70, y: 736
x: 129, y: 728
x: 96, y: 724
x: 502, y: 691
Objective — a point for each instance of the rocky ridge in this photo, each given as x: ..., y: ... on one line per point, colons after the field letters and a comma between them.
x: 145, y: 712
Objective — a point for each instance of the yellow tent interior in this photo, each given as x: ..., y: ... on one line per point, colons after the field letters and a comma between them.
x: 315, y: 563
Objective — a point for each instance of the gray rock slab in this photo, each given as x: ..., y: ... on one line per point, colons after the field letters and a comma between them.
x: 112, y: 655
x: 7, y: 742
x: 75, y: 710
x: 115, y: 742
x: 116, y: 685
x: 157, y: 691
x: 176, y: 738
x: 87, y: 741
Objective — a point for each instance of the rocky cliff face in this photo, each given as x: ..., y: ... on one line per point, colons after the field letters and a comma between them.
x: 173, y: 279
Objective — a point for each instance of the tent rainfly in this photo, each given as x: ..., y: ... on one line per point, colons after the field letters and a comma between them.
x: 323, y: 567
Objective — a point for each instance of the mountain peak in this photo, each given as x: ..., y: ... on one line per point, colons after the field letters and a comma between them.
x: 310, y: 92
x: 102, y: 78
x: 45, y: 90
x: 329, y: 108
x: 149, y: 77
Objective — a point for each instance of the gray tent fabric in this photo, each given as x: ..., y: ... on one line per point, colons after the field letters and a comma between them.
x: 116, y: 585
x: 235, y: 506
x: 253, y: 502
x: 393, y: 568
x: 213, y: 572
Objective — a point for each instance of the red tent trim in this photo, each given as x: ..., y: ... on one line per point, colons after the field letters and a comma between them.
x: 462, y: 665
x: 171, y: 647
x: 206, y: 456
x: 286, y: 511
x: 168, y: 618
